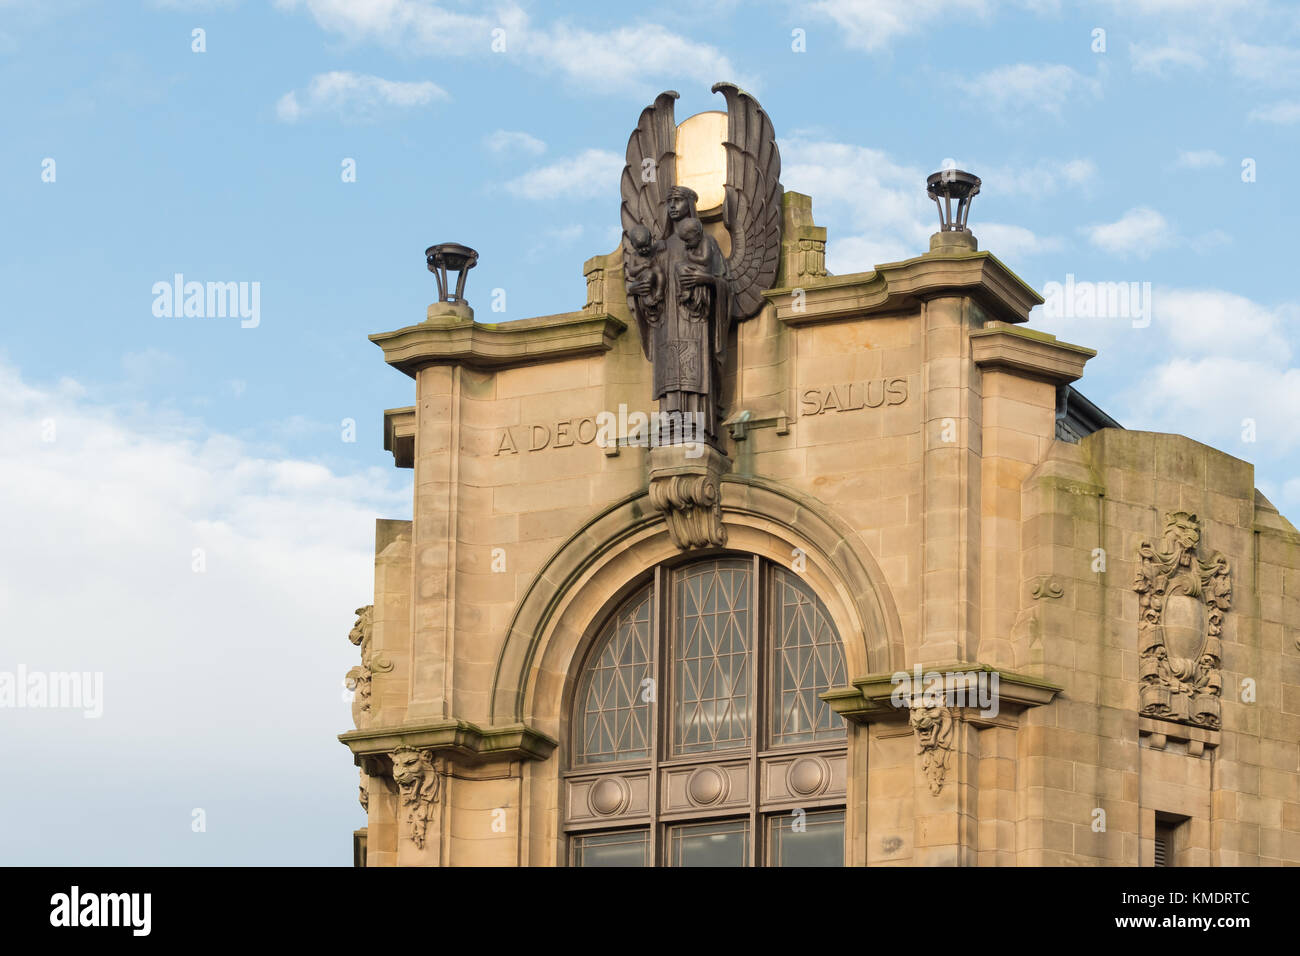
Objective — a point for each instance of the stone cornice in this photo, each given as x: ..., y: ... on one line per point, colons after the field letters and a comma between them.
x: 870, y: 698
x: 452, y: 340
x: 900, y: 286
x: 1028, y: 352
x: 457, y: 738
x: 399, y: 435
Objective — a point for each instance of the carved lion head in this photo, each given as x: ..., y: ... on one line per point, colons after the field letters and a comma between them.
x: 362, y: 627
x: 412, y: 769
x: 932, y: 723
x: 1182, y: 531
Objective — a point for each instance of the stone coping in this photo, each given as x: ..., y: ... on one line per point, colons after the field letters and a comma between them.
x: 901, y: 286
x: 1029, y: 352
x: 454, y: 340
x: 869, y: 698
x: 458, y: 738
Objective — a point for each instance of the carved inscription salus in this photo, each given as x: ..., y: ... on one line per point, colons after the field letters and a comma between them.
x: 852, y: 396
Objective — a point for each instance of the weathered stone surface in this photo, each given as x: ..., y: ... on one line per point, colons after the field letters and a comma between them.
x: 891, y: 434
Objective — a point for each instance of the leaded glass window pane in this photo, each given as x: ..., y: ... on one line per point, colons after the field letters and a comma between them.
x: 807, y: 660
x: 627, y: 848
x: 813, y: 839
x: 711, y: 657
x: 710, y: 844
x: 613, y: 722
x: 699, y: 631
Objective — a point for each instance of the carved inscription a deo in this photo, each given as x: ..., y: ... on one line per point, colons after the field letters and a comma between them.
x: 561, y: 434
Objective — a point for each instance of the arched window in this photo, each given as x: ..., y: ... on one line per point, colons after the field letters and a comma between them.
x: 698, y: 736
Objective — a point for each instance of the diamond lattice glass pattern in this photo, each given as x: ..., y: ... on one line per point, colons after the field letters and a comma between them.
x: 614, y: 722
x: 807, y: 660
x: 711, y: 657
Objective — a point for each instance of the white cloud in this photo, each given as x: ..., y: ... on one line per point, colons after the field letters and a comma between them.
x: 1158, y: 60
x: 591, y: 174
x: 1138, y: 232
x: 230, y: 670
x: 628, y: 57
x: 872, y: 24
x: 411, y: 24
x: 1209, y: 359
x: 1198, y: 159
x: 513, y: 141
x: 1009, y: 242
x: 876, y: 209
x: 1212, y: 321
x: 1265, y: 65
x: 1178, y: 8
x: 1214, y: 395
x: 1041, y: 178
x: 355, y: 96
x: 1284, y: 113
x: 1026, y: 87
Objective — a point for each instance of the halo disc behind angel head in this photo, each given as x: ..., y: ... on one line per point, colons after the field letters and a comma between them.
x: 702, y: 159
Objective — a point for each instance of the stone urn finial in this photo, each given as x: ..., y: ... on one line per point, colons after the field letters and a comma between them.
x: 943, y: 187
x: 459, y: 259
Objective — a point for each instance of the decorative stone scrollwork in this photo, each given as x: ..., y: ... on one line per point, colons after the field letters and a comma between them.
x: 933, y: 724
x: 417, y: 787
x: 693, y: 509
x: 1181, y: 601
x: 1047, y: 587
x: 685, y: 487
x: 358, y: 678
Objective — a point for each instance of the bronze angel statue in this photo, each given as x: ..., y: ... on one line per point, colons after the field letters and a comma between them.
x: 683, y: 292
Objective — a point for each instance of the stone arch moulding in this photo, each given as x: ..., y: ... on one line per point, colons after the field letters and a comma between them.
x: 595, y: 565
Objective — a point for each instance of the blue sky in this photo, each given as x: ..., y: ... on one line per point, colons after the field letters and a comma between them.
x: 180, y: 433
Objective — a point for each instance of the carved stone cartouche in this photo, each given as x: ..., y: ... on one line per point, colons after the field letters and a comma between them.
x: 1181, y: 603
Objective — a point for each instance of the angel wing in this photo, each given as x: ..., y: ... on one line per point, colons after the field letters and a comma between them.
x: 751, y: 210
x: 651, y: 169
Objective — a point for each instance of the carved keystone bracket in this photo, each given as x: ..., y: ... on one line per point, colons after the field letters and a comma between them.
x: 932, y: 699
x: 1182, y: 601
x: 685, y: 488
x: 932, y: 723
x: 406, y: 758
x: 417, y: 787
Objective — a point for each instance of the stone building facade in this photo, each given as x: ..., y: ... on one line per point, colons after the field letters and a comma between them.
x: 954, y: 615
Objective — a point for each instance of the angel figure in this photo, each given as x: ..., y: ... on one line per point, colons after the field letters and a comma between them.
x: 686, y: 301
